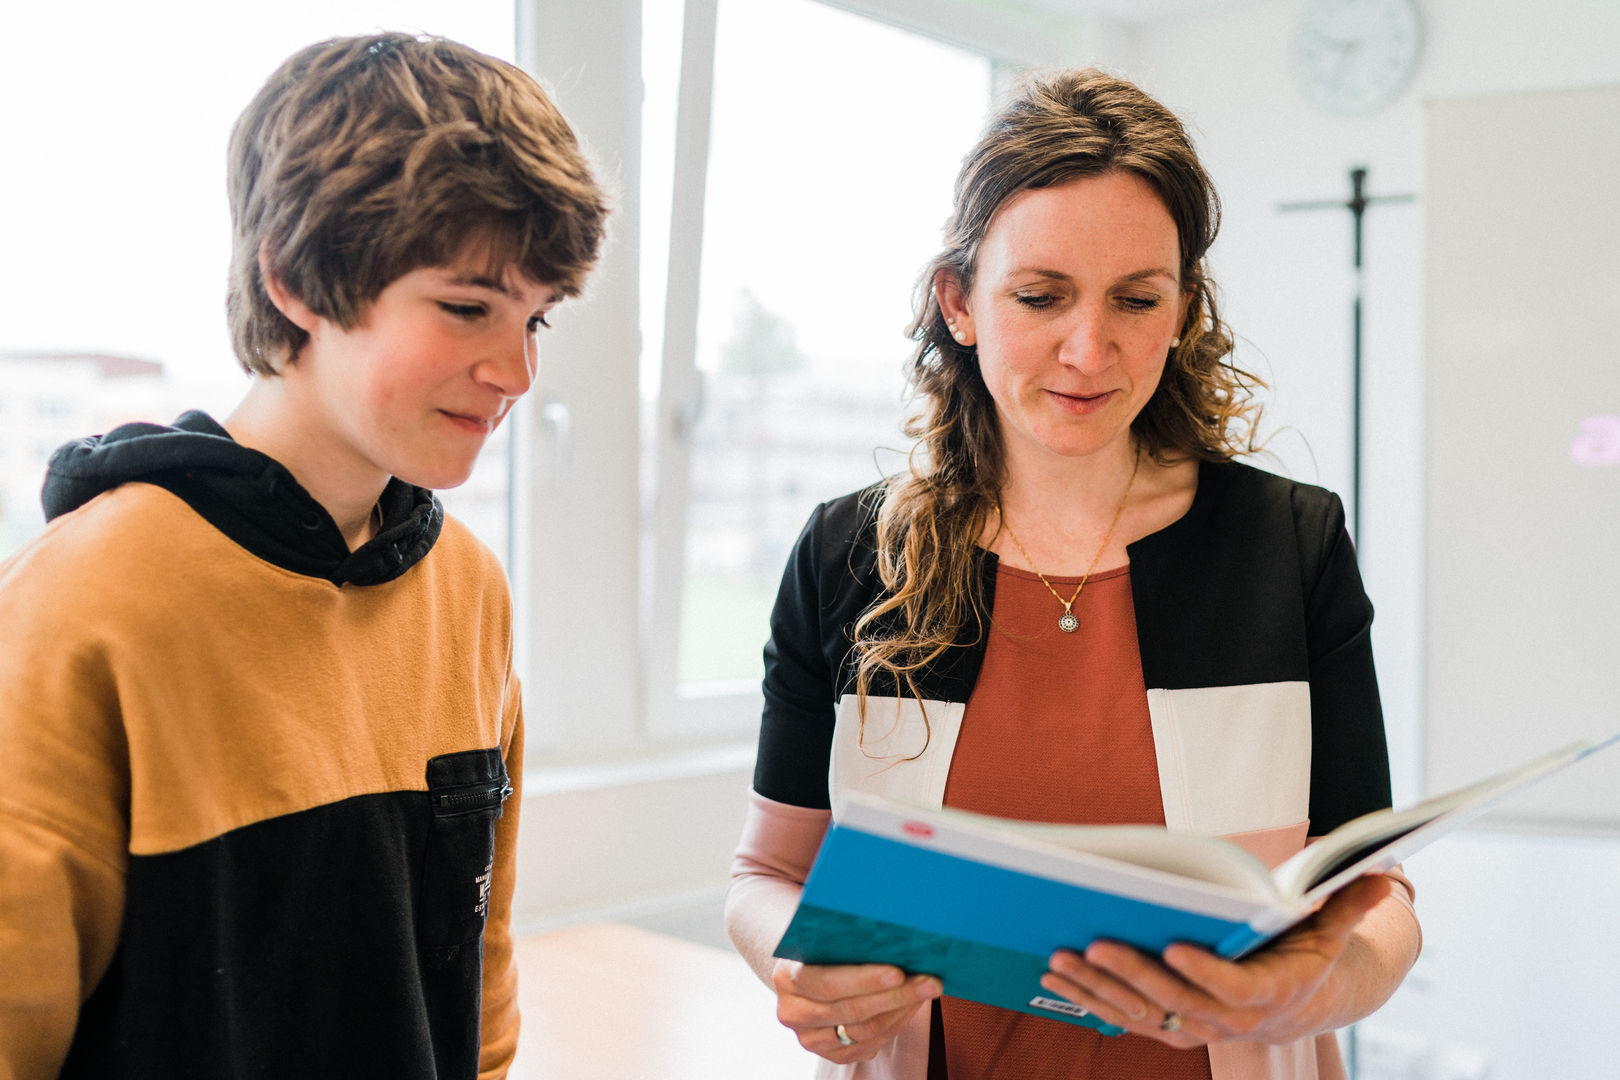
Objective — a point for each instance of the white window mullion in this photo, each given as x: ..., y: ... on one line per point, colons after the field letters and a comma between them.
x: 670, y: 712
x: 581, y: 582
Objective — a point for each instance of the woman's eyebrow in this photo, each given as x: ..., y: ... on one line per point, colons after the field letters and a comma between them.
x: 1058, y: 275
x: 1156, y: 271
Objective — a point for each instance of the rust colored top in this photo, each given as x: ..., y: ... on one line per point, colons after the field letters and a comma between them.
x: 1057, y: 730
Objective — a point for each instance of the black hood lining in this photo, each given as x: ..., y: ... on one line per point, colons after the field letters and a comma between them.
x: 250, y: 497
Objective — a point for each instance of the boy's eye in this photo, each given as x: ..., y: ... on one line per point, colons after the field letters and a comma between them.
x: 536, y: 322
x: 463, y: 311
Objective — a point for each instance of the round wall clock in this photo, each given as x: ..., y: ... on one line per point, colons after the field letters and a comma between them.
x: 1352, y: 56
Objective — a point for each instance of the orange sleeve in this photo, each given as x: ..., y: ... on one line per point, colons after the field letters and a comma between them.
x: 64, y: 786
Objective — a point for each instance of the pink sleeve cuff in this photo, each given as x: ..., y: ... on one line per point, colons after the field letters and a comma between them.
x: 779, y: 840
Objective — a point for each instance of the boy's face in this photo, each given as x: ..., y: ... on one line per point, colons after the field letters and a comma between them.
x: 415, y: 388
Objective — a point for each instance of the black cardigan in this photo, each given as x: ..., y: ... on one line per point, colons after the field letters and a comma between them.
x: 1256, y: 583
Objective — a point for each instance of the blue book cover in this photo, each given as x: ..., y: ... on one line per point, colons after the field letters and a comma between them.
x: 982, y: 902
x: 905, y: 887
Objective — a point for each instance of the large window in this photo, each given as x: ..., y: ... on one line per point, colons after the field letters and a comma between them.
x: 824, y: 182
x: 777, y: 260
x: 116, y: 230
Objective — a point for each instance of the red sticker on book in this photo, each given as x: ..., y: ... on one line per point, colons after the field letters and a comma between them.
x: 918, y: 829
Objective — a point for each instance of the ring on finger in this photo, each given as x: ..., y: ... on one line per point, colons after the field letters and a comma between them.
x: 1171, y: 1022
x: 843, y: 1035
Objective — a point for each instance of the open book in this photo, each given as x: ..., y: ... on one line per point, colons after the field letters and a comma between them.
x: 982, y: 901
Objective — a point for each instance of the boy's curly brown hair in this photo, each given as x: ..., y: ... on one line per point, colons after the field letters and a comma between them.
x: 364, y: 158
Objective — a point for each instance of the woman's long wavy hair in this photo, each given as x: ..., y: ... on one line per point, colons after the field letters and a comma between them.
x: 1057, y: 127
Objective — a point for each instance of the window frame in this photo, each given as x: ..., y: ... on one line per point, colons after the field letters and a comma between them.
x: 599, y: 573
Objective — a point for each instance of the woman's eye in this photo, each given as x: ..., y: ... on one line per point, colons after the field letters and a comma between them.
x: 1035, y: 300
x: 463, y: 311
x: 1139, y: 303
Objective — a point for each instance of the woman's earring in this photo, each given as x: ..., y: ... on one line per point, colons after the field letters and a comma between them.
x: 1174, y: 342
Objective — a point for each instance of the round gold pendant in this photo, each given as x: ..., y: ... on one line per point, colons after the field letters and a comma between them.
x: 1068, y: 623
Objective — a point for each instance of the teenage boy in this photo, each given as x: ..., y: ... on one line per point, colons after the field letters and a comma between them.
x: 259, y: 729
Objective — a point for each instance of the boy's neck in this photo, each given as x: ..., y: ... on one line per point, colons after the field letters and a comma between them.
x: 269, y: 419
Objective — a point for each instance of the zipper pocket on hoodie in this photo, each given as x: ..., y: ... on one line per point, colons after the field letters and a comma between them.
x: 465, y: 797
x: 471, y: 798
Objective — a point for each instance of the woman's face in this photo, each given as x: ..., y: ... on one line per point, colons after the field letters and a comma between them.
x: 1075, y: 301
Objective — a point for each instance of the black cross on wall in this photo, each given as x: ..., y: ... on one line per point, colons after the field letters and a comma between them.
x: 1357, y: 204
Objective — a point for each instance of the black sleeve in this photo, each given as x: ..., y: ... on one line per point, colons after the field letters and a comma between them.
x: 829, y: 581
x: 1349, y: 755
x: 795, y: 735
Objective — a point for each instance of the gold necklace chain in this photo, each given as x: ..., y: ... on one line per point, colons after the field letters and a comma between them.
x: 1068, y: 622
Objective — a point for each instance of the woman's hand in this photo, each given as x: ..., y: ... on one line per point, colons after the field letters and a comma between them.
x: 1191, y: 997
x: 870, y: 1002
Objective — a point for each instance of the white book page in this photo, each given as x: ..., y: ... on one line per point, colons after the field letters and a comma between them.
x: 1198, y: 873
x: 1385, y: 837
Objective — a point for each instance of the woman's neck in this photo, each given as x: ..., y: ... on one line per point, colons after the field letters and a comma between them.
x: 1072, y: 514
x: 1065, y: 493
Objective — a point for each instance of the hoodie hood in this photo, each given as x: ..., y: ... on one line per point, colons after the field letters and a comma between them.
x: 246, y: 495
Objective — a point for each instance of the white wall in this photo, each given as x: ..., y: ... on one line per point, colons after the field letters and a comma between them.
x: 1286, y: 276
x: 1522, y: 292
x: 1517, y: 945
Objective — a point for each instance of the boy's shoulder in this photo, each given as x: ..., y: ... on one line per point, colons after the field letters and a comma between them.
x: 460, y: 554
x: 136, y: 566
x: 121, y: 550
x: 133, y: 525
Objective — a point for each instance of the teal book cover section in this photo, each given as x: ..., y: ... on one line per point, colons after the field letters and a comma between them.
x: 986, y: 931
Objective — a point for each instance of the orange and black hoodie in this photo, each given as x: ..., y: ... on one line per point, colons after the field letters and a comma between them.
x: 255, y: 812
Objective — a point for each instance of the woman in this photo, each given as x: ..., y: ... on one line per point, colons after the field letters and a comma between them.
x: 1076, y: 607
